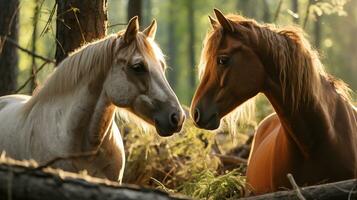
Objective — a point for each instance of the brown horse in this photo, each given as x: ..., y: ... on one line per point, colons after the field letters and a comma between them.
x: 313, y: 134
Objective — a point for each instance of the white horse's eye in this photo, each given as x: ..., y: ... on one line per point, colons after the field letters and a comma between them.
x: 139, y: 68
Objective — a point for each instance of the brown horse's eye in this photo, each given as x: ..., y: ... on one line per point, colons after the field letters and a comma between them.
x: 139, y: 68
x: 222, y: 60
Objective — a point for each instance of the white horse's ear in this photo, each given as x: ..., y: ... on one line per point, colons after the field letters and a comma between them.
x: 131, y: 30
x: 214, y: 22
x: 225, y: 23
x: 150, y: 31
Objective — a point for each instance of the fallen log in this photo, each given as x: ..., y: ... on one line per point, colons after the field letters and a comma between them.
x: 331, y: 191
x: 22, y: 180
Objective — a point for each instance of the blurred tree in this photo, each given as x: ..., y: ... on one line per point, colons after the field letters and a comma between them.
x: 248, y: 8
x: 135, y: 9
x: 36, y: 12
x: 317, y: 32
x: 191, y: 43
x: 295, y: 9
x: 79, y: 22
x: 266, y: 11
x: 9, y: 20
x: 171, y: 45
x: 147, y: 16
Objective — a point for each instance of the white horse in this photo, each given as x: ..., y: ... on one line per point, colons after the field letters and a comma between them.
x: 74, y: 110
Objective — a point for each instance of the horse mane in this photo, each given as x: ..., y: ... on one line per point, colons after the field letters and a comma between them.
x: 301, y: 71
x: 88, y: 62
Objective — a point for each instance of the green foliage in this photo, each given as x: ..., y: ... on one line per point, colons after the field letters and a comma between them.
x: 181, y: 155
x: 207, y: 185
x: 329, y: 7
x: 183, y: 163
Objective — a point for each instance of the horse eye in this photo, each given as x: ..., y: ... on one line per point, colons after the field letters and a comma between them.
x: 139, y: 68
x: 222, y: 60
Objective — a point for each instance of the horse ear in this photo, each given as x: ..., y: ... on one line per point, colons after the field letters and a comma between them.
x: 131, y: 30
x: 225, y: 23
x: 214, y: 22
x: 150, y: 31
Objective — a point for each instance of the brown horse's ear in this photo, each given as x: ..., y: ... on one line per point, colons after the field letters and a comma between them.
x: 150, y: 31
x: 225, y: 23
x: 214, y: 22
x: 131, y: 30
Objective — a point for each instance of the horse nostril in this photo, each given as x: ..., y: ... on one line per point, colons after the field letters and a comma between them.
x: 174, y: 119
x: 196, y: 115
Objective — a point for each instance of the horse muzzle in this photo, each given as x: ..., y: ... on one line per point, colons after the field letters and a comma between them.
x: 168, y: 123
x: 207, y: 119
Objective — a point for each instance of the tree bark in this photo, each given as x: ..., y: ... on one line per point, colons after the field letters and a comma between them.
x: 79, y: 22
x: 191, y: 44
x: 135, y: 9
x: 330, y: 191
x: 9, y: 19
x: 19, y: 182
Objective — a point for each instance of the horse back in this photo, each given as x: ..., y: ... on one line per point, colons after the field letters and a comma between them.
x: 10, y: 124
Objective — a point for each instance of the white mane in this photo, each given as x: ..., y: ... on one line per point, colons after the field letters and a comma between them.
x: 89, y: 61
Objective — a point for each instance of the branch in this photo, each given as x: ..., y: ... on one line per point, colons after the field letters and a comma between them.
x: 295, y: 186
x: 117, y: 24
x: 330, y: 191
x: 27, y: 51
x: 31, y: 77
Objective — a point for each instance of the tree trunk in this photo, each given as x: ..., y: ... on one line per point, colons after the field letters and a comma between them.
x: 9, y: 19
x: 19, y: 183
x: 135, y: 9
x: 191, y: 45
x: 79, y: 22
x: 295, y: 9
x: 33, y: 83
x: 172, y: 45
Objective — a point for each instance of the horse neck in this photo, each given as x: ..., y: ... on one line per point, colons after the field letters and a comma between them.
x: 91, y: 114
x: 311, y: 122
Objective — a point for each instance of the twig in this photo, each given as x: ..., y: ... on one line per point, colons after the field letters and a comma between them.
x: 295, y: 186
x: 31, y: 77
x: 27, y: 51
x: 230, y: 159
x: 277, y: 12
x: 48, y: 23
x: 117, y: 24
x: 75, y: 10
x: 351, y: 192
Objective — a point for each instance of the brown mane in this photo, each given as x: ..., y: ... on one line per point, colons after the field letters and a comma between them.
x: 300, y: 68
